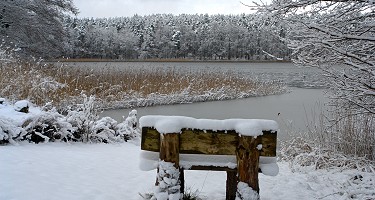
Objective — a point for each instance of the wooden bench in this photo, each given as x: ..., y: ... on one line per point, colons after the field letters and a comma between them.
x: 189, y: 140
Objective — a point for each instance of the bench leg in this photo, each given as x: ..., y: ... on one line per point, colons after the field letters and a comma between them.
x: 231, y: 185
x: 169, y: 174
x: 182, y: 181
x: 248, y: 167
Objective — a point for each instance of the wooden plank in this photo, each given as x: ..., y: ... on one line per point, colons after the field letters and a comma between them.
x: 214, y: 168
x: 211, y: 168
x: 150, y: 140
x: 208, y: 142
x: 269, y: 142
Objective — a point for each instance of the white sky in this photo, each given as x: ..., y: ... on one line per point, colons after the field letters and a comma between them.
x: 118, y: 8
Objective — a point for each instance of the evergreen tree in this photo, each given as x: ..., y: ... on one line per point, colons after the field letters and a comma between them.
x: 34, y: 26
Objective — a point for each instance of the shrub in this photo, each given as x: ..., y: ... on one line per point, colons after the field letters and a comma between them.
x: 47, y: 126
x: 129, y: 128
x: 81, y: 124
x: 9, y: 132
x: 104, y: 130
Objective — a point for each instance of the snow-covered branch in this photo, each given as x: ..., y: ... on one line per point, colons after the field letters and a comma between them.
x: 336, y: 36
x: 341, y: 36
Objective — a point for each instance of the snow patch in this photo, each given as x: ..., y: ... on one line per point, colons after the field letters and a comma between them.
x: 169, y: 184
x: 19, y: 105
x: 270, y: 169
x: 174, y: 124
x: 246, y: 192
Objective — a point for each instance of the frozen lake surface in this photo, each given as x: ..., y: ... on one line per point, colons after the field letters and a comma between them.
x: 293, y: 110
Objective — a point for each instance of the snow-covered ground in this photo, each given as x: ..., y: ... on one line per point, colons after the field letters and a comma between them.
x: 81, y: 171
x: 77, y: 171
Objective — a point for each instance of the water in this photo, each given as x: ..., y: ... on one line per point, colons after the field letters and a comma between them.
x: 294, y: 111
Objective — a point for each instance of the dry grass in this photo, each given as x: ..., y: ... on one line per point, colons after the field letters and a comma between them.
x: 348, y: 131
x: 65, y: 85
x: 354, y: 133
x: 341, y: 138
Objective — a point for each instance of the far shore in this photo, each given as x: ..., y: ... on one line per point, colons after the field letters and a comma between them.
x: 163, y: 60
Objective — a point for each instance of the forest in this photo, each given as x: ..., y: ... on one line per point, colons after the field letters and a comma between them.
x: 166, y: 36
x: 52, y: 30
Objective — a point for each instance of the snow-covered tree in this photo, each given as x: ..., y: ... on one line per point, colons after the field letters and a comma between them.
x: 169, y: 36
x: 339, y: 38
x: 335, y: 36
x: 34, y: 26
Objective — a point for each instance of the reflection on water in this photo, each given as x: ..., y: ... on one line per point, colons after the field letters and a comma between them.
x: 292, y: 110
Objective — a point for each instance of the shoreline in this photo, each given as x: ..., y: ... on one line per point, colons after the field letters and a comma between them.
x: 165, y: 60
x: 195, y: 99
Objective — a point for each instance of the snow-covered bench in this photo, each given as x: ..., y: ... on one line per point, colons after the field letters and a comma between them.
x: 241, y: 147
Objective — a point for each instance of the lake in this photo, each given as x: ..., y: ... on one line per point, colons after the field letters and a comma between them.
x: 294, y: 111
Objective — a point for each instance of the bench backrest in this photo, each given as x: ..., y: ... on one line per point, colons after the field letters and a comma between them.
x: 222, y: 142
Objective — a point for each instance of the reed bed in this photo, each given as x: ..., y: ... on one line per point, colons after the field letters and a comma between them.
x: 64, y: 85
x: 340, y: 138
x: 351, y: 132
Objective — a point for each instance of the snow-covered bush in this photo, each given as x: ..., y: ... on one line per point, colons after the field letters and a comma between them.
x: 9, y: 132
x: 79, y: 125
x: 104, y: 130
x: 89, y: 128
x: 129, y: 128
x: 49, y: 126
x: 83, y: 118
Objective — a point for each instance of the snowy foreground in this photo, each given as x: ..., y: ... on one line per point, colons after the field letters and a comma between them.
x: 77, y: 171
